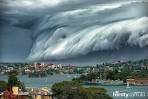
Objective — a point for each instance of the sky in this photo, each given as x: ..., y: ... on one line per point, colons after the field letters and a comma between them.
x: 73, y: 31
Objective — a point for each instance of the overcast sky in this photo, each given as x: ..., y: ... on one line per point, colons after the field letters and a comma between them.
x: 73, y: 31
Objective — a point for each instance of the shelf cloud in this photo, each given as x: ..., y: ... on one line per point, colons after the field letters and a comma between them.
x: 64, y: 29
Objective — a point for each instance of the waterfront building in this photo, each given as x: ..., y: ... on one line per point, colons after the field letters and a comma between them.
x: 15, y: 90
x: 137, y: 81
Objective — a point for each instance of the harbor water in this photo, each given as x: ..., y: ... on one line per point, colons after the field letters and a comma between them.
x: 117, y: 92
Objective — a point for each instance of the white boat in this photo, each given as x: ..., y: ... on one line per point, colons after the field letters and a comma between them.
x: 127, y: 85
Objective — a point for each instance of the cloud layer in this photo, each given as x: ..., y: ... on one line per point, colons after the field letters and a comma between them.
x: 96, y: 38
x: 63, y: 29
x: 78, y: 32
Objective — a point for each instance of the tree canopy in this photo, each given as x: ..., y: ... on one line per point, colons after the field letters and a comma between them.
x: 73, y: 90
x: 3, y: 85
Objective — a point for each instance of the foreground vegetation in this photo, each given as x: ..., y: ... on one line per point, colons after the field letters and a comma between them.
x: 12, y: 81
x: 73, y: 90
x: 113, y: 75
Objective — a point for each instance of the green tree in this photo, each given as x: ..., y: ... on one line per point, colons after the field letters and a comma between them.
x: 88, y: 77
x: 12, y: 78
x: 3, y: 85
x: 14, y: 81
x: 73, y: 90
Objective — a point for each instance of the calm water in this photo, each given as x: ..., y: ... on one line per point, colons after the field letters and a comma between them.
x: 51, y: 79
x: 42, y: 82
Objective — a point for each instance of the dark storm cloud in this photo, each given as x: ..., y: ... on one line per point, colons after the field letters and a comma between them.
x: 62, y: 29
x: 15, y: 44
x: 24, y: 10
x: 93, y: 28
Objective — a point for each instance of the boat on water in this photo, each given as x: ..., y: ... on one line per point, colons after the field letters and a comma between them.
x: 90, y: 83
x: 111, y: 83
x: 105, y: 83
x: 127, y: 85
